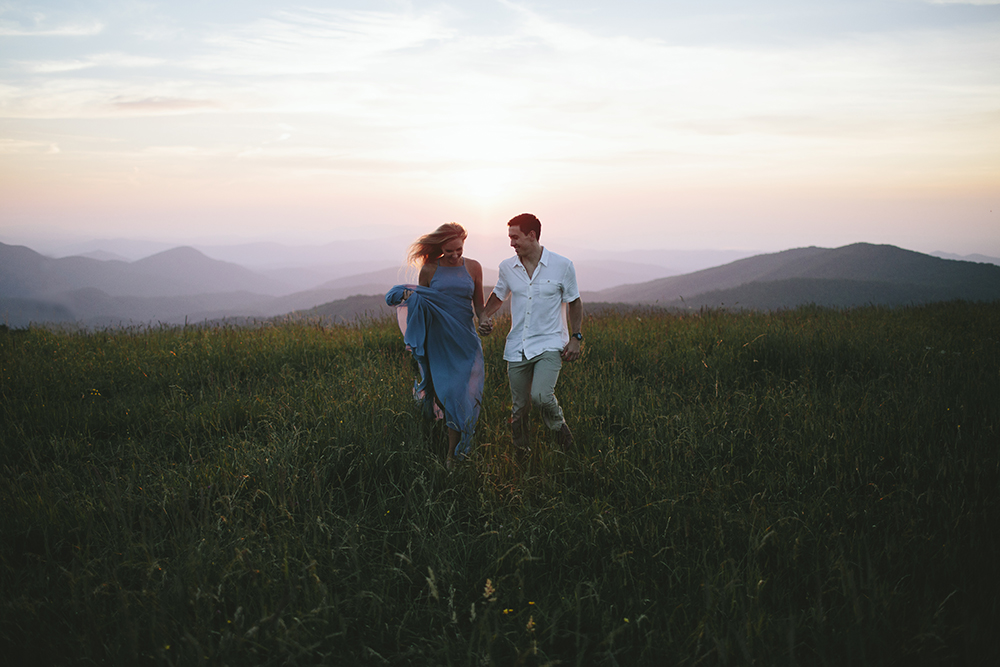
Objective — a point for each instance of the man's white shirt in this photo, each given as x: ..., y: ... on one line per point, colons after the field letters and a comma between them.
x: 538, y: 320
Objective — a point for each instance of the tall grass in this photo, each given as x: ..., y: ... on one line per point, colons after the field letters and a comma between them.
x: 805, y: 487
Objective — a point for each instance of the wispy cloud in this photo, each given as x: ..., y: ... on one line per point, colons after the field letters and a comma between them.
x: 22, y: 147
x: 418, y: 92
x: 542, y: 77
x: 122, y: 60
x: 40, y: 29
x: 319, y: 42
x: 179, y: 151
x: 160, y: 105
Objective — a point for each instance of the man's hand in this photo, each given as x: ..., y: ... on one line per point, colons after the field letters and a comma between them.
x: 572, y: 350
x: 485, y: 326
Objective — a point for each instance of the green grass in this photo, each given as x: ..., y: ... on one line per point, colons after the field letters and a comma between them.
x: 806, y: 487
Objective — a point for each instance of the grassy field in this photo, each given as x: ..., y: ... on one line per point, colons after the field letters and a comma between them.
x: 810, y: 487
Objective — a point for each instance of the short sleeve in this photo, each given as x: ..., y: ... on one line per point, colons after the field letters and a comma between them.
x: 570, y: 291
x: 501, y: 289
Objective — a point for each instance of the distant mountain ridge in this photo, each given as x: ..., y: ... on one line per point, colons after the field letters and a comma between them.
x: 183, y: 285
x: 975, y: 257
x: 857, y: 274
x: 175, y: 272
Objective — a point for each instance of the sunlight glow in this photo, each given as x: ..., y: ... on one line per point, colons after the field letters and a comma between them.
x: 419, y: 108
x: 483, y: 186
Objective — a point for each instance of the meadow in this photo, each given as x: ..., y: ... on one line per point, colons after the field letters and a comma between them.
x: 805, y: 487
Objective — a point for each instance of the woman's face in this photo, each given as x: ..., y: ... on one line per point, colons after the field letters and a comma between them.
x: 451, y: 252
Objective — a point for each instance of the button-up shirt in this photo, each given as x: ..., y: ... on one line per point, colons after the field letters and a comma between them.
x: 538, y: 319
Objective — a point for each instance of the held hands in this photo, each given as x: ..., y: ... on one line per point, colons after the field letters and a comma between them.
x: 485, y: 326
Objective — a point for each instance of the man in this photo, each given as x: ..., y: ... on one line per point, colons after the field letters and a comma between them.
x: 539, y: 282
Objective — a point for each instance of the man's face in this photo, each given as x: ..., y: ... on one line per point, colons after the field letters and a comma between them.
x: 519, y: 241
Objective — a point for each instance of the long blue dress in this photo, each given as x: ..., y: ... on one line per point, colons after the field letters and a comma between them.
x: 439, y: 332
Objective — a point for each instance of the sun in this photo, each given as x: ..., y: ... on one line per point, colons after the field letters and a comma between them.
x: 483, y: 185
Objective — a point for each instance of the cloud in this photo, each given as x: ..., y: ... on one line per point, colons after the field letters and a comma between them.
x: 54, y: 66
x: 179, y: 151
x: 122, y: 60
x: 24, y: 147
x: 412, y: 89
x: 538, y: 80
x: 90, y: 28
x: 410, y: 93
x: 318, y: 42
x: 160, y: 105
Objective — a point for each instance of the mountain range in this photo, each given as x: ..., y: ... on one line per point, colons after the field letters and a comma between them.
x: 183, y: 284
x: 853, y: 275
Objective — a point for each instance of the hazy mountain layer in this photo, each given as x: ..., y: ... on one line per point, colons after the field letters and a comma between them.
x: 175, y: 272
x: 858, y: 274
x: 183, y: 285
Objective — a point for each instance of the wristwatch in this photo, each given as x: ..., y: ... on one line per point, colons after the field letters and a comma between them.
x: 578, y: 336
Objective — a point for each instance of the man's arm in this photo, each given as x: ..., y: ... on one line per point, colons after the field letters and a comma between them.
x: 574, y: 317
x: 486, y: 319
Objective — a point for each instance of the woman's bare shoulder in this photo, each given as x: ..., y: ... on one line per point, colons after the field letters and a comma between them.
x: 473, y: 267
x: 426, y: 273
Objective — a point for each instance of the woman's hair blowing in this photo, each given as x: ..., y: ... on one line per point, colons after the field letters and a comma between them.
x: 428, y: 247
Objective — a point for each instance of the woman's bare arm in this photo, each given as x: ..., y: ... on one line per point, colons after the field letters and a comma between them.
x: 426, y: 273
x: 475, y: 270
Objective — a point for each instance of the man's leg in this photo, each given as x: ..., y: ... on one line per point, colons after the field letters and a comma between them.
x: 543, y: 395
x: 543, y: 389
x: 520, y: 374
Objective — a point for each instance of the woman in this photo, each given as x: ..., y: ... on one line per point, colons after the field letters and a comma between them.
x: 440, y: 331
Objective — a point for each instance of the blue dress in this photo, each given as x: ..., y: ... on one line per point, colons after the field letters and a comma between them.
x: 439, y: 332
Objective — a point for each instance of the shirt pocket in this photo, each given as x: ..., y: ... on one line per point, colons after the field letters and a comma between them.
x: 549, y: 288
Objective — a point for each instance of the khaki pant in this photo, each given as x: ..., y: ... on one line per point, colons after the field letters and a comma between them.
x: 534, y: 382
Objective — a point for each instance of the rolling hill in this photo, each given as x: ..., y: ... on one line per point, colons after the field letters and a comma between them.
x: 176, y: 272
x: 170, y: 287
x: 852, y: 275
x: 183, y: 285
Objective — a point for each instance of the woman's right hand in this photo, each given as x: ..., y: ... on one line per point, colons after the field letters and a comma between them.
x: 485, y: 326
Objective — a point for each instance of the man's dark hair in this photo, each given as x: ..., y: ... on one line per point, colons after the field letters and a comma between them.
x: 527, y: 222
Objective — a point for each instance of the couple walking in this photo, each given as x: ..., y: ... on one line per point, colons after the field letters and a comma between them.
x: 439, y: 329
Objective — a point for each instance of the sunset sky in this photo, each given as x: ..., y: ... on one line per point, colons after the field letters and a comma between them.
x: 759, y: 125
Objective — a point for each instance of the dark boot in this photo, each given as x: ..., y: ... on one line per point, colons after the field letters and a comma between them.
x: 565, y: 438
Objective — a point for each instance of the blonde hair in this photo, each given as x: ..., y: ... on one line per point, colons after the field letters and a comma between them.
x: 428, y: 247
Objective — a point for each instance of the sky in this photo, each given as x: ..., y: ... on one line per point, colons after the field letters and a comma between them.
x: 689, y: 124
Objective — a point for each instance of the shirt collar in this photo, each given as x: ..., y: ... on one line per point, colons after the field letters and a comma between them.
x: 544, y: 259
